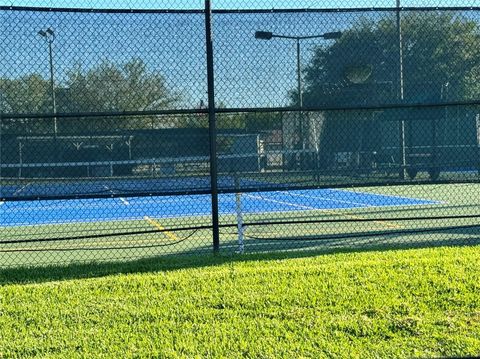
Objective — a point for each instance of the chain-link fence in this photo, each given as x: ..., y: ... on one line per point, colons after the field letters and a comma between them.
x: 170, y: 127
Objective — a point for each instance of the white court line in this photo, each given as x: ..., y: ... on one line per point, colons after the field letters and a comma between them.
x: 308, y: 207
x: 326, y: 198
x: 124, y: 201
x: 163, y: 199
x: 391, y: 195
x: 428, y: 202
x: 21, y: 189
x: 281, y: 202
x: 334, y: 211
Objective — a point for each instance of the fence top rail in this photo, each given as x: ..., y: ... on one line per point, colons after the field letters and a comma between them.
x: 101, y: 10
x: 228, y: 11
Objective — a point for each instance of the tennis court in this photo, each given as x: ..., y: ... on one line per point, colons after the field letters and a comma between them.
x: 126, y: 228
x: 27, y: 213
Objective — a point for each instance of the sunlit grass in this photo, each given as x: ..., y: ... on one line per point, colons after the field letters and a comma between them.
x: 412, y: 303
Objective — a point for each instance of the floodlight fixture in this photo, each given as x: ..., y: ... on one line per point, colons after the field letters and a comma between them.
x: 263, y: 35
x: 332, y: 35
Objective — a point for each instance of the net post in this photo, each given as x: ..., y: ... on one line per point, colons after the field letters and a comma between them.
x: 317, y: 165
x: 212, y: 127
x: 239, y: 213
x: 20, y: 158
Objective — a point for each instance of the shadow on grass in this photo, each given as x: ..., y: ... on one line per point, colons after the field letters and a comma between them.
x: 257, y: 250
x: 162, y: 263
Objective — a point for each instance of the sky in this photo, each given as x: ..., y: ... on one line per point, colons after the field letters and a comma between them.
x: 234, y: 4
x: 249, y: 72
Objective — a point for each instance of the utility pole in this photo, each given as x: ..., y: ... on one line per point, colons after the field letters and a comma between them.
x: 267, y: 35
x: 401, y: 94
x: 49, y: 36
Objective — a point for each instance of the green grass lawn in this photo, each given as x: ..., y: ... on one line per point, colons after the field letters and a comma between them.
x: 408, y: 303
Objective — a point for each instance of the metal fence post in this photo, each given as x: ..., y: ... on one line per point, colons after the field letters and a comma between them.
x: 401, y: 93
x: 212, y: 126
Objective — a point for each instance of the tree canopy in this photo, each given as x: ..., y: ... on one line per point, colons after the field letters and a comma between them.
x: 26, y: 94
x: 438, y: 49
x: 441, y: 63
x: 108, y: 87
x: 111, y: 87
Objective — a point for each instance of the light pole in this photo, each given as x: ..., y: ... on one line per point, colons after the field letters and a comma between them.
x: 267, y: 35
x: 401, y: 92
x: 49, y: 36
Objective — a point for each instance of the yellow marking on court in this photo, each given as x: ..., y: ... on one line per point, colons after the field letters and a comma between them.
x: 157, y: 225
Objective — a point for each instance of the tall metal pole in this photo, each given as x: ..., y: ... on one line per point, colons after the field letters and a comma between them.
x: 212, y: 126
x: 52, y: 88
x: 300, y: 104
x: 267, y: 35
x: 299, y: 75
x: 401, y: 94
x: 49, y: 36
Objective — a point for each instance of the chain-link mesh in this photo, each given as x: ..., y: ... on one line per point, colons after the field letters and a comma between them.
x: 345, y: 125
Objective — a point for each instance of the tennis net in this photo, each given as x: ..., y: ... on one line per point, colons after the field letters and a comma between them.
x: 153, y: 176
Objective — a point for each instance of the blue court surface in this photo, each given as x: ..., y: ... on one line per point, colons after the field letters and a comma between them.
x: 26, y: 213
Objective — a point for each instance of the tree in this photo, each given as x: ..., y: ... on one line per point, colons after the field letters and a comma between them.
x: 113, y: 88
x: 263, y: 121
x: 438, y: 48
x: 441, y: 51
x: 27, y: 94
x: 106, y: 88
x: 109, y: 87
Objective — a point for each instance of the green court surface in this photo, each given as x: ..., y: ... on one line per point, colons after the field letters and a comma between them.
x: 441, y: 214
